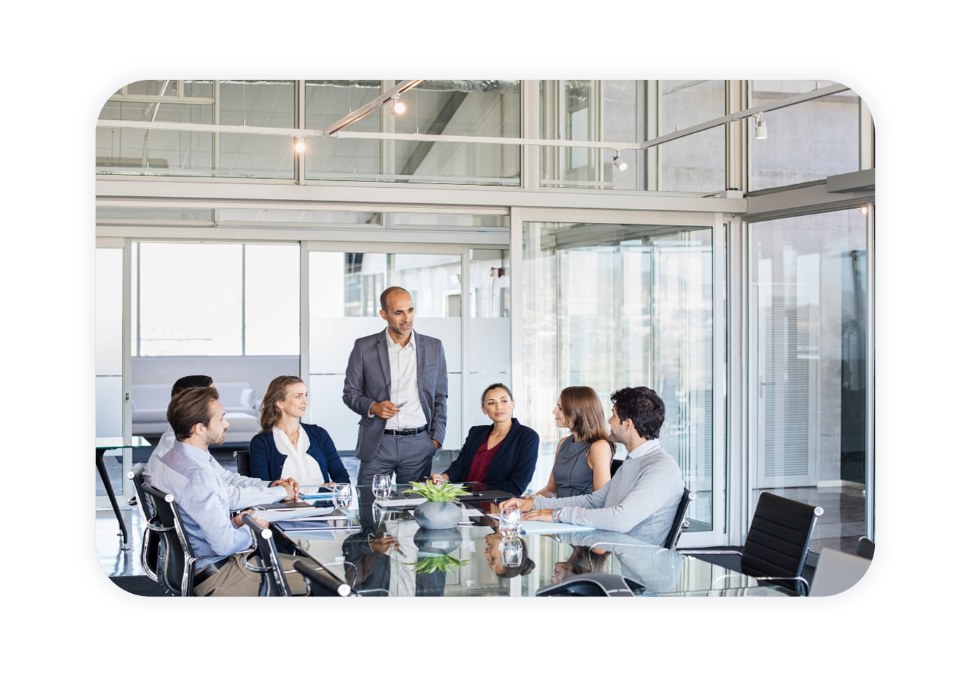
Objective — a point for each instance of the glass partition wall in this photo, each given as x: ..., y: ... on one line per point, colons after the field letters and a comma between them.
x: 612, y: 306
x: 808, y: 357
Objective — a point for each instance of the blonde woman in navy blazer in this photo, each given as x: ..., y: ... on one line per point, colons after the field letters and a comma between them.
x: 502, y: 454
x: 285, y: 402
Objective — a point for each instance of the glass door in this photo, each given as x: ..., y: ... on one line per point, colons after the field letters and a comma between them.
x: 612, y: 306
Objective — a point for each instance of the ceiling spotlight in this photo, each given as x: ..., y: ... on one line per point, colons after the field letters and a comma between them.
x: 619, y: 162
x: 299, y: 146
x: 863, y: 210
x: 760, y: 131
x: 397, y: 107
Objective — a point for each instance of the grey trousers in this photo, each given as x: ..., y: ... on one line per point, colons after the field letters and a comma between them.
x: 408, y: 457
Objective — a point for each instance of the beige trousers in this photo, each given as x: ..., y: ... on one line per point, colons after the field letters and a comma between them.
x: 233, y: 579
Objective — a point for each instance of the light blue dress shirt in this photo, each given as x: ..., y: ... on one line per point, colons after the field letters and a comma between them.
x: 243, y: 492
x: 192, y: 477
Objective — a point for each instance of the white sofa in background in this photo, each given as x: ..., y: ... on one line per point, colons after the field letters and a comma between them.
x: 149, y: 403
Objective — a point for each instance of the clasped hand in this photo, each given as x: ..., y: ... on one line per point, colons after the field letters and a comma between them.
x: 290, y: 485
x: 384, y: 409
x: 238, y: 519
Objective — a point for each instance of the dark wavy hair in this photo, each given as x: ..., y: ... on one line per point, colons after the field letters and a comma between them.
x: 277, y: 391
x: 643, y: 407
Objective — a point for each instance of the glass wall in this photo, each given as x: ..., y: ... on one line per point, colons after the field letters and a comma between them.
x: 434, y: 107
x: 216, y: 299
x: 490, y: 328
x: 804, y: 142
x: 694, y: 163
x: 809, y: 309
x: 260, y: 103
x: 611, y: 306
x: 108, y: 345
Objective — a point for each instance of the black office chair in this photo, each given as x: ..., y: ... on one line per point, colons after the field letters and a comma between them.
x: 321, y: 582
x: 614, y: 465
x: 273, y: 582
x: 179, y: 562
x: 680, y: 520
x: 864, y: 548
x: 778, y: 541
x: 242, y: 463
x: 150, y: 535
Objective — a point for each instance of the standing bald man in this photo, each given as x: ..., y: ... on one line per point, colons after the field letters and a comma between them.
x: 398, y: 383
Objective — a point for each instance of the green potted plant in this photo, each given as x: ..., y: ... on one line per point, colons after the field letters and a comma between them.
x: 440, y: 511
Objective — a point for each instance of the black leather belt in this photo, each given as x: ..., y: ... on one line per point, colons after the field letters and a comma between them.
x: 405, y: 432
x: 209, y: 570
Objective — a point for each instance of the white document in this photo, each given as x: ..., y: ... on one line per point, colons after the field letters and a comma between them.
x: 276, y: 515
x: 400, y: 503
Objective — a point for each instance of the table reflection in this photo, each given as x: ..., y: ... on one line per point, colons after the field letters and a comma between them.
x: 392, y: 556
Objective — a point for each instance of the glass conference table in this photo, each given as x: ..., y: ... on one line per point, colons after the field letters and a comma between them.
x: 383, y: 552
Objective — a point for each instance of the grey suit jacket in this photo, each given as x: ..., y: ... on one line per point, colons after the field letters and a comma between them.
x: 368, y: 379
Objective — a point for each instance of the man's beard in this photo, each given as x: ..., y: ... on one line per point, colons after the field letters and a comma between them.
x: 213, y: 438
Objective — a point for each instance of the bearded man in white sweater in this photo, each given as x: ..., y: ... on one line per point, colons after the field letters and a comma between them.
x: 643, y: 496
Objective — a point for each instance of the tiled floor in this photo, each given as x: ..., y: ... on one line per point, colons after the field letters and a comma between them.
x: 844, y: 515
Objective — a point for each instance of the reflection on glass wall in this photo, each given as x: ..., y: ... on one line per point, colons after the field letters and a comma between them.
x: 804, y: 142
x: 808, y: 294
x: 345, y: 292
x: 611, y: 306
x: 694, y: 163
x: 434, y: 107
x: 260, y: 103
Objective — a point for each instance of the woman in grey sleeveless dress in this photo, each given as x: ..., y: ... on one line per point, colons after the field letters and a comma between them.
x: 583, y: 458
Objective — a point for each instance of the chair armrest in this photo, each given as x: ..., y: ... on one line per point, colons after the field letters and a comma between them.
x: 251, y: 567
x: 704, y: 551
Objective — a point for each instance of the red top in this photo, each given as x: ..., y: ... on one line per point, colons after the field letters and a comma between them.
x: 480, y: 463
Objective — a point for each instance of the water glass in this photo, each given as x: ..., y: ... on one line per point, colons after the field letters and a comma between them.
x: 342, y: 495
x: 511, y: 551
x: 381, y: 487
x: 510, y: 521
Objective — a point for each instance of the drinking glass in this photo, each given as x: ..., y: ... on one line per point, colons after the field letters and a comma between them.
x: 511, y: 551
x: 381, y: 487
x: 510, y: 521
x: 342, y: 495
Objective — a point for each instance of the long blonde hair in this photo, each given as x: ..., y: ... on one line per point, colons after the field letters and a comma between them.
x: 585, y: 415
x: 276, y: 392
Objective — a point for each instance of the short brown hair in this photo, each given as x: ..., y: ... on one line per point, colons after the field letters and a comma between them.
x: 277, y: 391
x: 189, y: 408
x: 585, y: 414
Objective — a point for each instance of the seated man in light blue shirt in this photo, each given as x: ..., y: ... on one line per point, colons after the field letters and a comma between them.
x: 643, y: 496
x: 242, y: 491
x: 190, y: 474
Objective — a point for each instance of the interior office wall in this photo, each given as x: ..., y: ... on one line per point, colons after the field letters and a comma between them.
x: 108, y: 342
x: 259, y: 371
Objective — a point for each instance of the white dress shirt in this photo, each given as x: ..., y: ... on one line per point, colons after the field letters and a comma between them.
x: 404, y: 385
x: 298, y: 465
x: 645, y: 448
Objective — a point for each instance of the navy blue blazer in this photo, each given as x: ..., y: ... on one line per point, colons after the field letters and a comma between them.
x: 266, y: 462
x: 511, y: 467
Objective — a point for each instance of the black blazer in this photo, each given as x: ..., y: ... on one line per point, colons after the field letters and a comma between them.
x: 511, y: 467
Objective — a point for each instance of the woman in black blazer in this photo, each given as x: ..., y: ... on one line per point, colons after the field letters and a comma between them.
x: 503, y: 454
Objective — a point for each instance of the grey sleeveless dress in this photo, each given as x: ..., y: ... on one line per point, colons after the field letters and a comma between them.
x: 570, y: 471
